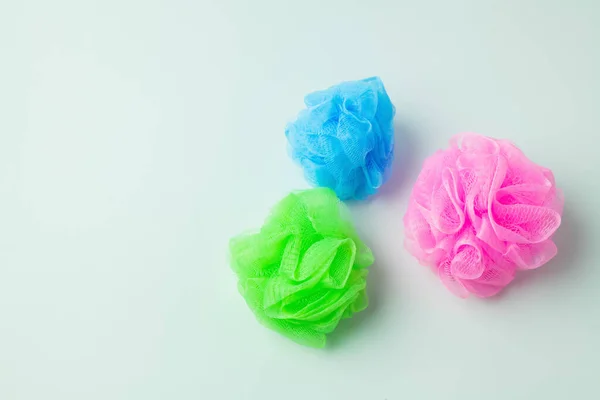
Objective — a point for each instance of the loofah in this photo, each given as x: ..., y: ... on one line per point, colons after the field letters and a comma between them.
x: 479, y: 212
x: 305, y: 269
x: 344, y: 139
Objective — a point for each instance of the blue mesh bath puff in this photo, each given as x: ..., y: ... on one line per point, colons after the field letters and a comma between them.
x: 344, y: 139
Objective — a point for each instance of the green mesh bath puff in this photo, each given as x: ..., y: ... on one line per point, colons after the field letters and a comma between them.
x: 305, y: 269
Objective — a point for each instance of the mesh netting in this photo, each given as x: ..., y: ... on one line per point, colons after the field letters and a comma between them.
x: 479, y: 211
x: 305, y: 269
x: 344, y: 139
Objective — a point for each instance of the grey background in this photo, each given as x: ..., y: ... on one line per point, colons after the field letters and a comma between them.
x: 137, y: 136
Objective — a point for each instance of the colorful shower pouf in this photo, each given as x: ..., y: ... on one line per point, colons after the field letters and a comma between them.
x: 344, y: 139
x: 479, y: 212
x: 305, y: 269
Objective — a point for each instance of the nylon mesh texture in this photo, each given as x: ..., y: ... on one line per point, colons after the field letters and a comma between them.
x: 305, y: 269
x: 344, y: 139
x: 479, y: 212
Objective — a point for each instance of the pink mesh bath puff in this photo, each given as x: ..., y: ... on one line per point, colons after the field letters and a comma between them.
x: 479, y: 212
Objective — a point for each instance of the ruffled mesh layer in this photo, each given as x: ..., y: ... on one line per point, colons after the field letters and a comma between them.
x: 479, y: 211
x: 344, y: 139
x: 305, y: 269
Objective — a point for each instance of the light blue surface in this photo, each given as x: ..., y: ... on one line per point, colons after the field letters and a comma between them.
x: 344, y: 139
x: 137, y: 136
